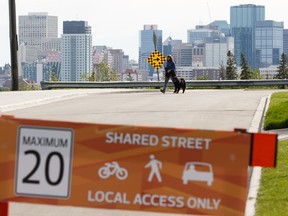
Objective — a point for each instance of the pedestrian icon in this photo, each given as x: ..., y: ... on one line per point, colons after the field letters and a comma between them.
x: 155, y: 166
x: 113, y: 168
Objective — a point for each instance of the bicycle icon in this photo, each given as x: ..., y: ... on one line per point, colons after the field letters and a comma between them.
x: 113, y: 168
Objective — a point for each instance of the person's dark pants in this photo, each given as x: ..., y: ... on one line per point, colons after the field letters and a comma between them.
x: 166, y: 82
x: 171, y: 75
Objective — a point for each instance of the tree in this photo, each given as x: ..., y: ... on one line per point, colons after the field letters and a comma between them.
x: 89, y: 76
x: 105, y: 73
x: 53, y: 77
x: 246, y: 72
x: 231, y: 70
x: 256, y: 74
x: 93, y: 77
x: 282, y: 68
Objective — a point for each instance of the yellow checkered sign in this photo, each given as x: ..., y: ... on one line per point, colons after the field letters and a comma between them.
x: 156, y: 59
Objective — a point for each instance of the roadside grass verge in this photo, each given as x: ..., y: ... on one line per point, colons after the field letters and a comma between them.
x: 272, y: 197
x: 277, y: 114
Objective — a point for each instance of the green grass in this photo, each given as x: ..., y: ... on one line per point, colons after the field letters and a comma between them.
x: 272, y: 197
x: 277, y: 114
x: 273, y: 192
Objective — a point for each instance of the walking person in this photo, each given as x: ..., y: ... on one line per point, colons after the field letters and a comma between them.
x: 155, y: 165
x: 169, y: 72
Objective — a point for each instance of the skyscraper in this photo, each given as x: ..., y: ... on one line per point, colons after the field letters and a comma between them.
x: 285, y: 42
x: 199, y: 34
x: 242, y: 22
x: 198, y: 55
x: 146, y: 46
x: 168, y: 45
x: 76, y: 27
x: 36, y: 26
x: 268, y: 42
x: 76, y: 51
x: 219, y: 25
x: 183, y: 54
x: 35, y: 29
x: 216, y: 49
x: 117, y: 60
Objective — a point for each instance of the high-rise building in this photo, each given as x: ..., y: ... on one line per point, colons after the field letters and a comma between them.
x: 102, y: 54
x: 117, y: 60
x: 219, y: 25
x: 168, y: 45
x: 35, y: 29
x: 285, y: 42
x: 268, y: 42
x: 76, y: 27
x: 200, y: 34
x: 183, y: 54
x: 216, y: 50
x: 198, y: 55
x: 51, y: 44
x: 125, y: 62
x: 76, y: 53
x: 37, y: 26
x: 146, y: 46
x: 242, y: 23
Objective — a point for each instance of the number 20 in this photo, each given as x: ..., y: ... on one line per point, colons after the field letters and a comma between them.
x: 28, y: 179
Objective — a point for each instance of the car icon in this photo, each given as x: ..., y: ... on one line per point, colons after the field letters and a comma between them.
x: 198, y: 171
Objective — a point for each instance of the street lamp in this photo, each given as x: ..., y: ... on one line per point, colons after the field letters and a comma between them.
x: 13, y: 45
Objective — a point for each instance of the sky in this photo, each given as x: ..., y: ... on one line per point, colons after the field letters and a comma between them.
x: 116, y: 23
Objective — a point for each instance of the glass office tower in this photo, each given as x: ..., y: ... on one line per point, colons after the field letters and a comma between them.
x: 268, y: 42
x: 76, y: 27
x: 242, y: 22
x: 147, y: 46
x: 285, y: 41
x: 169, y: 44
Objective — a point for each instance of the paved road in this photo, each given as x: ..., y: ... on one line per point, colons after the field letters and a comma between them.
x: 202, y: 109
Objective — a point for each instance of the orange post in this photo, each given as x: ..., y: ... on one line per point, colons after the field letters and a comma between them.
x: 264, y: 150
x: 4, y: 208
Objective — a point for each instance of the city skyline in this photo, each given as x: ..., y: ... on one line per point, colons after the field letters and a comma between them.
x: 117, y: 24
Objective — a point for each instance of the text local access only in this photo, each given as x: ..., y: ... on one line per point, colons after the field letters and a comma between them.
x: 154, y: 200
x: 154, y: 140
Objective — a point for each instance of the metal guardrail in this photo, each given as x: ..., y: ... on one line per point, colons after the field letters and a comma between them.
x: 45, y: 85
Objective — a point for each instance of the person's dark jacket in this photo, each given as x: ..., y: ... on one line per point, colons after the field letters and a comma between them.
x: 170, y: 66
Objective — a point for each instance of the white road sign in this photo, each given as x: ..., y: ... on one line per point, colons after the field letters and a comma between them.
x: 44, y: 162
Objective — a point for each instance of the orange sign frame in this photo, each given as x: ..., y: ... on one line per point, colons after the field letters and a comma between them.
x: 131, y: 167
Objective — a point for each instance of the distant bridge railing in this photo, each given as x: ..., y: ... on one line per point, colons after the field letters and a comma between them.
x: 45, y: 85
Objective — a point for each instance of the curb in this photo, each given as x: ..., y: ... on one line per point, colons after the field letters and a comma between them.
x: 254, y: 183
